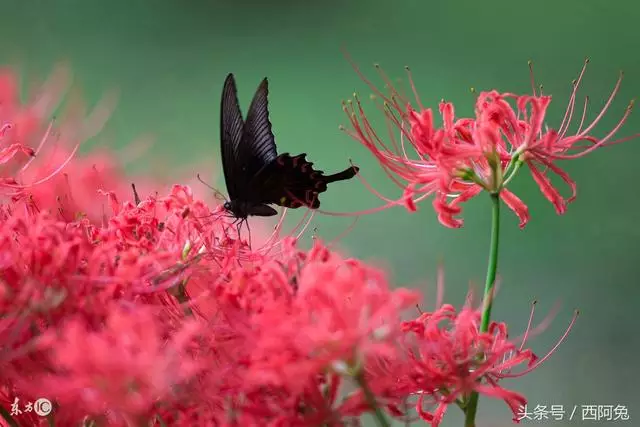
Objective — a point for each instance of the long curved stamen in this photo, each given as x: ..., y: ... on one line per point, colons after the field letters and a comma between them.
x: 595, y: 121
x: 373, y: 137
x: 540, y: 327
x: 391, y: 163
x: 413, y: 87
x: 548, y: 355
x: 303, y: 224
x: 364, y: 78
x: 277, y: 228
x: 362, y: 212
x: 564, y: 125
x: 344, y: 233
x: 387, y: 162
x: 51, y: 175
x: 395, y: 95
x: 621, y: 140
x: 299, y: 229
x: 44, y: 139
x: 440, y: 287
x: 399, y: 123
x: 584, y: 114
x: 374, y: 210
x: 526, y: 332
x: 531, y: 78
x: 421, y: 157
x: 375, y: 192
x: 601, y: 141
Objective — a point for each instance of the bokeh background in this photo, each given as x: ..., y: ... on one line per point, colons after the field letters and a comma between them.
x: 169, y: 59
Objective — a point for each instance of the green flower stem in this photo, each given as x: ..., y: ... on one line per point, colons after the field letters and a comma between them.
x: 487, y: 301
x: 381, y: 419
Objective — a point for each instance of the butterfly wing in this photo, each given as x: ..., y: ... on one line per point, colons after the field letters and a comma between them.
x: 254, y: 173
x: 292, y: 182
x: 231, y: 128
x: 258, y: 146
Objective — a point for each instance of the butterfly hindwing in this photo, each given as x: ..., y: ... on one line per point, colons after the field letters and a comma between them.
x: 292, y: 182
x: 231, y: 130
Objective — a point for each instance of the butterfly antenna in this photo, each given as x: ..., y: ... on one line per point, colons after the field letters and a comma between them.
x: 218, y: 193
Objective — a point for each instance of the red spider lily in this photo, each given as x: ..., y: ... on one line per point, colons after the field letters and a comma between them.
x: 153, y: 311
x: 541, y: 148
x: 123, y: 367
x: 29, y: 129
x: 328, y: 327
x: 286, y: 340
x: 74, y: 192
x: 24, y: 127
x: 450, y: 358
x: 468, y: 155
x: 54, y: 270
x: 291, y: 320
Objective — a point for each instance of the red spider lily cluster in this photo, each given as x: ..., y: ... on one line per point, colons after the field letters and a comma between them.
x: 463, y: 157
x: 153, y: 311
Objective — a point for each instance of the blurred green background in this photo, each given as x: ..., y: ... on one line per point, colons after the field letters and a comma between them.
x: 169, y: 59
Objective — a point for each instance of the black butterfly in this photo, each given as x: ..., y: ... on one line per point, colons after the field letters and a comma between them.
x: 256, y: 176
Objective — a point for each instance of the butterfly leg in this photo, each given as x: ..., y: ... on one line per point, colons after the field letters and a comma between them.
x: 249, y: 232
x: 245, y: 222
x: 238, y: 224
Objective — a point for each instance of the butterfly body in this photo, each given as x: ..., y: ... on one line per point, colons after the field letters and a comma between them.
x: 243, y: 209
x: 256, y: 176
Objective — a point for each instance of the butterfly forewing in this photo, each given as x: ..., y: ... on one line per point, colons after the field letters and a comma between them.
x: 258, y: 146
x: 231, y: 128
